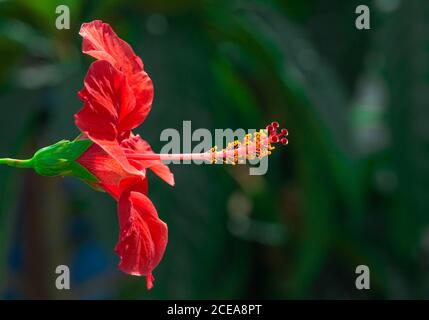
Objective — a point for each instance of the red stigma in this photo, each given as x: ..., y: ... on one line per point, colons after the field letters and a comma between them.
x: 276, y: 136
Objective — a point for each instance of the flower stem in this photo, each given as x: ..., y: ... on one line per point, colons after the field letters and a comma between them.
x: 16, y: 163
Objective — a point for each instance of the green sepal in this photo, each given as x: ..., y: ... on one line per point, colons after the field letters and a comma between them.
x: 81, y: 172
x: 60, y: 158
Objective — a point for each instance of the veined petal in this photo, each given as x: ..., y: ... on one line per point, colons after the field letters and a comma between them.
x: 143, y: 236
x: 142, y: 87
x: 107, y: 100
x: 102, y: 43
x: 137, y: 144
x: 108, y: 170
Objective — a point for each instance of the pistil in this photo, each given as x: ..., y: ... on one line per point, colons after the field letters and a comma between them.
x: 258, y: 145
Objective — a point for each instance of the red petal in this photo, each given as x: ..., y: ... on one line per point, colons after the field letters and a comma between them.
x: 108, y: 171
x: 137, y: 144
x: 142, y: 87
x: 101, y: 165
x: 107, y: 100
x: 102, y: 43
x: 143, y: 236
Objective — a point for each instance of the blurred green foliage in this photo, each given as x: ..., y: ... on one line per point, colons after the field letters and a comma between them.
x: 351, y: 188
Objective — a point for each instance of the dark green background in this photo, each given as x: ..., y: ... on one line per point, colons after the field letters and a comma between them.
x: 351, y: 188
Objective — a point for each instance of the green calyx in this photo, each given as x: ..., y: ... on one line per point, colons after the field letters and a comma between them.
x: 58, y: 159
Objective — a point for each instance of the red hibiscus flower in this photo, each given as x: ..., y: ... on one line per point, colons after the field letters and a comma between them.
x: 117, y: 97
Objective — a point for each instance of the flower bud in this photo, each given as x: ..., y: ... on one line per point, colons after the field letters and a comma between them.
x: 60, y: 158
